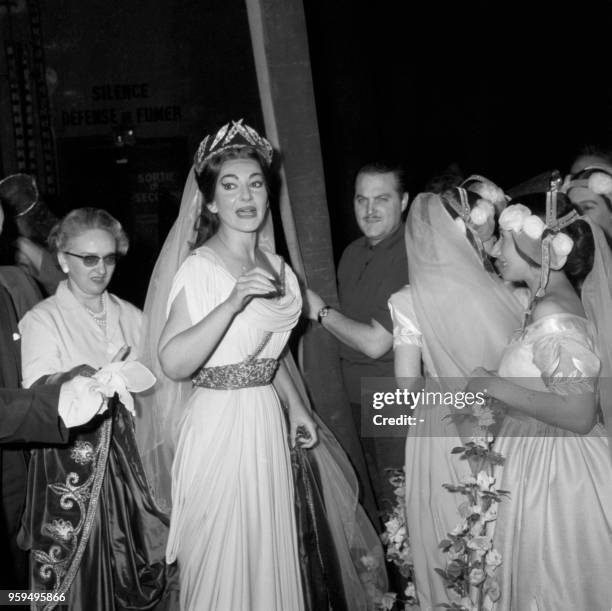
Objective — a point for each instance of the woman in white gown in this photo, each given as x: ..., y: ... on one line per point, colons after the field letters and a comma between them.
x: 237, y: 526
x: 456, y: 314
x: 555, y: 531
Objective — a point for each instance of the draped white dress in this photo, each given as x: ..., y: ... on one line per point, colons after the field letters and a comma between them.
x: 233, y: 528
x: 555, y: 530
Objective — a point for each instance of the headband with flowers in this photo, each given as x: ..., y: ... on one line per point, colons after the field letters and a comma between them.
x: 595, y: 178
x: 232, y: 135
x: 540, y: 241
x: 479, y: 218
x: 487, y: 189
x: 476, y: 222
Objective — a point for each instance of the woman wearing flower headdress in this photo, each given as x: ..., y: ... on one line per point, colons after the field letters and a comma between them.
x: 554, y: 531
x: 590, y: 190
x: 248, y: 534
x: 455, y: 315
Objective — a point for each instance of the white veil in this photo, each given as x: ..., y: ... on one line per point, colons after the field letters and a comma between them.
x: 467, y: 314
x: 596, y: 297
x: 159, y: 413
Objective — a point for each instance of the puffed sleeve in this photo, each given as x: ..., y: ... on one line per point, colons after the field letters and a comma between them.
x: 405, y: 330
x: 40, y: 354
x: 567, y: 358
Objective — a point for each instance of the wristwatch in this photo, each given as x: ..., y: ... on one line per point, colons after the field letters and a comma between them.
x: 322, y: 313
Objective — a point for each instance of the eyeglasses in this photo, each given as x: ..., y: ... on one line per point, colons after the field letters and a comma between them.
x: 93, y: 260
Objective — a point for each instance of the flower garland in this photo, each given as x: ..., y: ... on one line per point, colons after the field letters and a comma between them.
x: 472, y: 558
x: 397, y: 545
x: 519, y: 219
x: 397, y: 551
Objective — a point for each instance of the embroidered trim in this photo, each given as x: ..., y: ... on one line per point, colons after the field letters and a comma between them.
x: 248, y: 374
x: 64, y: 569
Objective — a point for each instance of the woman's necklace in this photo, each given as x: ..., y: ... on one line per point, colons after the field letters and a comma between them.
x: 99, y: 317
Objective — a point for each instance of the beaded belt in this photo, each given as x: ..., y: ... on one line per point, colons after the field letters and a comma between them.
x: 256, y: 372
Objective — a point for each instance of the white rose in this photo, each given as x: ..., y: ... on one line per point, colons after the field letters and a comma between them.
x: 533, y: 226
x: 512, y: 218
x: 410, y: 591
x: 600, y: 183
x: 481, y: 212
x: 458, y: 530
x: 484, y: 480
x: 459, y: 222
x: 489, y: 191
x: 562, y: 244
x: 482, y: 543
x: 493, y: 558
x: 481, y: 442
x: 478, y: 215
x: 477, y: 576
x: 399, y: 535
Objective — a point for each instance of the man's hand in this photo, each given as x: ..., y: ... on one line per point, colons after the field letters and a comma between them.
x: 312, y: 304
x: 80, y: 400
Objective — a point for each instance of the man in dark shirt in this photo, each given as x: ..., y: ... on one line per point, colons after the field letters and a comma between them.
x: 371, y: 269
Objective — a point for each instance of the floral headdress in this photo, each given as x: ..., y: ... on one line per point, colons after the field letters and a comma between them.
x: 487, y: 189
x: 232, y: 135
x: 595, y: 178
x: 480, y: 216
x: 540, y: 241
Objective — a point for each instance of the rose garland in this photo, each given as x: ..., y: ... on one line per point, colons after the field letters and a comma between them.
x: 397, y: 545
x: 472, y: 558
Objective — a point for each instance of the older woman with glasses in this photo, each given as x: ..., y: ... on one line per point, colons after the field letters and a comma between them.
x: 89, y: 512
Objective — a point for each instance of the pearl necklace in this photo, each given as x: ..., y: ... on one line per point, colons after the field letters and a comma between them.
x: 99, y: 317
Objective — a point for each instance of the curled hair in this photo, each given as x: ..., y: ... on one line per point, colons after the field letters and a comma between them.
x: 208, y: 222
x: 580, y: 259
x: 83, y: 219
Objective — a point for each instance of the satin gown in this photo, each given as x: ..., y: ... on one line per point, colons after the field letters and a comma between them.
x: 555, y: 530
x: 431, y: 510
x: 233, y: 528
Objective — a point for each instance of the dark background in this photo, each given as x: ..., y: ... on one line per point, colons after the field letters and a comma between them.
x: 505, y: 89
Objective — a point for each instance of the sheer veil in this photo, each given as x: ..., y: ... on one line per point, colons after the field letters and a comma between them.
x: 597, y: 301
x: 467, y: 314
x: 159, y: 413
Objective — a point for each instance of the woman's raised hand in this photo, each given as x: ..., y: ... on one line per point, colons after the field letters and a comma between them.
x: 254, y: 283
